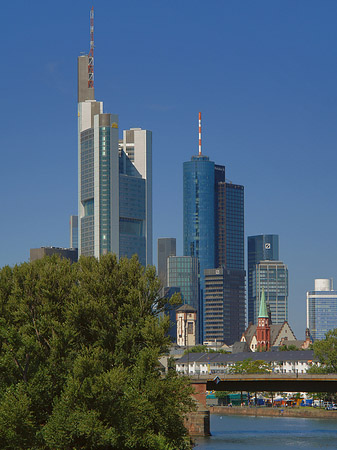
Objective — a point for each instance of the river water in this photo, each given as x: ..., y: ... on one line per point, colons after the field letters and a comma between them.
x: 275, y: 433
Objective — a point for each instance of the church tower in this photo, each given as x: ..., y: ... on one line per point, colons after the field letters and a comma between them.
x: 263, y: 327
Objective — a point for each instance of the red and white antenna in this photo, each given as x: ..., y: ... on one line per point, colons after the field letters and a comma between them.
x: 91, y: 52
x: 199, y: 133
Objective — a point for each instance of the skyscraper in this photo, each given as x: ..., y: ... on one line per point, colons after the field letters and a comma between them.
x: 224, y: 305
x: 73, y: 231
x: 199, y: 212
x: 166, y: 248
x: 272, y: 277
x: 183, y: 273
x: 213, y: 220
x: 114, y: 177
x: 264, y: 247
x: 321, y: 309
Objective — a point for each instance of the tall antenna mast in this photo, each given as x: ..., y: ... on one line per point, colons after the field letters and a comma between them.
x: 199, y: 133
x: 91, y: 52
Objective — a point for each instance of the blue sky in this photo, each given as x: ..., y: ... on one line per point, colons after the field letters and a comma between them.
x: 262, y: 72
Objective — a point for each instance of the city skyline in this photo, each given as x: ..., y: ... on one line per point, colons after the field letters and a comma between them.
x: 266, y: 90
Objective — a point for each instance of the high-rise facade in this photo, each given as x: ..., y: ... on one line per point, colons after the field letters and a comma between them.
x: 224, y: 305
x: 272, y: 278
x: 73, y: 231
x: 183, y: 273
x: 114, y: 179
x: 67, y: 253
x: 264, y: 247
x: 166, y: 248
x: 199, y: 218
x: 213, y: 221
x: 135, y: 194
x: 321, y: 309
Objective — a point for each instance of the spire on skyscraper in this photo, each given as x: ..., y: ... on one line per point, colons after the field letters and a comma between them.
x: 199, y: 133
x: 91, y: 52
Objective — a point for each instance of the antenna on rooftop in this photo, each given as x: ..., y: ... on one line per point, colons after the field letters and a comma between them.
x: 91, y: 52
x: 199, y: 133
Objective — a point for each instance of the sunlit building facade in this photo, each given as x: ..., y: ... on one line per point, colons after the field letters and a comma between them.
x: 264, y: 247
x: 224, y: 305
x: 213, y: 224
x: 321, y: 309
x: 183, y: 273
x: 272, y: 276
x: 114, y: 181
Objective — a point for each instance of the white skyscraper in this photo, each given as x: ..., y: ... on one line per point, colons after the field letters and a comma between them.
x: 114, y: 178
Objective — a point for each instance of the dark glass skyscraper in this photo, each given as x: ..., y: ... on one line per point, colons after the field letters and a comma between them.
x: 235, y: 233
x: 224, y: 305
x: 213, y: 221
x: 166, y: 248
x: 199, y: 211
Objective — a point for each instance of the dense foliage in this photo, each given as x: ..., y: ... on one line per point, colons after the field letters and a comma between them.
x: 288, y: 348
x: 203, y: 349
x: 326, y: 352
x: 79, y: 348
x: 250, y: 366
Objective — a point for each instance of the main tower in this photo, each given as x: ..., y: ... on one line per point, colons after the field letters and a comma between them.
x: 214, y: 233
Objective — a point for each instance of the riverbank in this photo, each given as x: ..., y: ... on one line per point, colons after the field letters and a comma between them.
x: 274, y: 412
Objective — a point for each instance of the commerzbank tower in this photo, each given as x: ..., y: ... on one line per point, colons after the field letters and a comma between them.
x: 114, y: 176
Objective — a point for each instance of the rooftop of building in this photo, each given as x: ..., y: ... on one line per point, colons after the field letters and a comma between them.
x: 186, y: 308
x: 275, y: 329
x: 294, y: 355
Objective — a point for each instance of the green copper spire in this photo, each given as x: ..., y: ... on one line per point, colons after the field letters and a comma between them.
x: 263, y: 306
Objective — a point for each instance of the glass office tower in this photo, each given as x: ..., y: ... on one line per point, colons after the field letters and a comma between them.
x: 264, y: 247
x: 272, y: 276
x: 199, y: 211
x: 321, y: 309
x: 198, y: 192
x: 166, y: 248
x: 213, y: 224
x: 114, y: 181
x: 235, y: 233
x: 73, y: 231
x: 183, y: 273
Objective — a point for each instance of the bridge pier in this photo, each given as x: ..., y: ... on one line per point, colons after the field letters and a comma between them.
x: 198, y: 422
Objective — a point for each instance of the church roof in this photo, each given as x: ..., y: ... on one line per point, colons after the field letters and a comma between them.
x: 263, y: 306
x: 275, y: 330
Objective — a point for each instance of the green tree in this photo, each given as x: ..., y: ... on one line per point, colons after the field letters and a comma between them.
x: 203, y: 349
x: 326, y: 353
x: 288, y: 348
x: 250, y: 366
x: 79, y: 349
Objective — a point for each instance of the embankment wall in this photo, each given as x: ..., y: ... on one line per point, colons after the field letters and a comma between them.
x: 262, y: 411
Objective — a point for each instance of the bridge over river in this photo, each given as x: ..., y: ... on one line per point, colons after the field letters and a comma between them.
x: 271, y: 382
x: 264, y: 382
x: 198, y: 423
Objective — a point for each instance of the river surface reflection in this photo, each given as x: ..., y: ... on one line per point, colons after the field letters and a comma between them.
x: 276, y: 433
